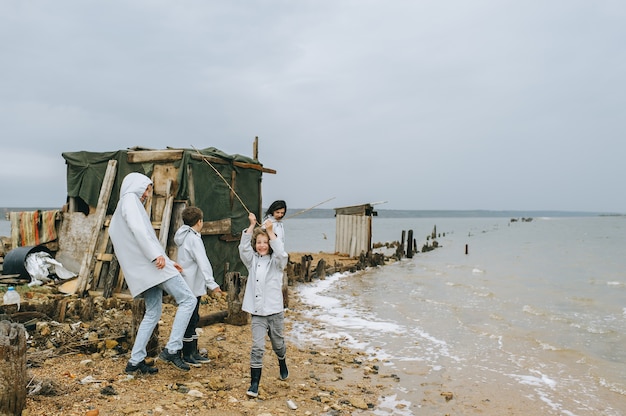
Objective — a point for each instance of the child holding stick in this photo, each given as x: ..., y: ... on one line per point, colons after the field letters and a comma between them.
x: 264, y: 256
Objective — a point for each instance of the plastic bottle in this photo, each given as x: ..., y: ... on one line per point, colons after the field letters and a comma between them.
x: 11, y: 297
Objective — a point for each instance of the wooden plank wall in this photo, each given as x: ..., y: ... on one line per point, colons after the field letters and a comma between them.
x: 354, y: 234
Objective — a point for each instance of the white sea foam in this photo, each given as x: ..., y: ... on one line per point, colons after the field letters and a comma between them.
x: 327, y: 309
x: 335, y: 322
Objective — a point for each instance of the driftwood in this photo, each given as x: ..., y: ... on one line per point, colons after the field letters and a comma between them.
x: 12, y: 368
x: 213, y: 318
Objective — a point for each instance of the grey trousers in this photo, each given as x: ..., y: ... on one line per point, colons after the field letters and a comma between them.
x: 271, y: 325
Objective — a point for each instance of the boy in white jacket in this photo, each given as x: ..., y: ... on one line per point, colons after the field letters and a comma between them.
x: 197, y: 272
x: 264, y: 256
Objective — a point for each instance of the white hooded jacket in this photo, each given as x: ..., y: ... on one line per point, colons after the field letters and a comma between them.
x: 197, y: 269
x: 134, y: 240
x: 264, y: 291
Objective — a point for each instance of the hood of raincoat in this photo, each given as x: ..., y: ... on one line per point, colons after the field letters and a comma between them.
x: 181, y: 234
x: 135, y: 183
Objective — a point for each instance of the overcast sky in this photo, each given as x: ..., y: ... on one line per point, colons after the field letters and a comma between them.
x: 484, y: 104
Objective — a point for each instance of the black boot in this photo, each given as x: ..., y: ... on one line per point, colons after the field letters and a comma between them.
x: 187, y: 354
x: 284, y: 372
x: 196, y: 355
x: 255, y: 378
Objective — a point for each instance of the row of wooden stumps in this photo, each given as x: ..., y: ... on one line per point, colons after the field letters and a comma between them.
x: 304, y: 271
x: 411, y: 244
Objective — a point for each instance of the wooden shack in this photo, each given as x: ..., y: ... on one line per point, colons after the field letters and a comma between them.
x: 354, y: 229
x: 224, y: 186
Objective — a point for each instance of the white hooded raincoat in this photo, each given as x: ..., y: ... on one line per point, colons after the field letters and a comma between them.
x: 197, y: 269
x: 134, y: 240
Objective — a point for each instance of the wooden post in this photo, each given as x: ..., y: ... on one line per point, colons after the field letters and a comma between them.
x: 105, y: 262
x: 285, y: 289
x: 12, y: 368
x: 320, y: 269
x: 400, y: 248
x: 111, y: 278
x: 466, y: 249
x: 191, y: 190
x: 166, y: 218
x: 255, y: 155
x: 409, y: 245
x: 235, y: 289
x: 103, y: 202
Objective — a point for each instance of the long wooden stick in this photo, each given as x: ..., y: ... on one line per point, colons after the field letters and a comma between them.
x: 308, y: 209
x: 220, y: 175
x: 225, y: 181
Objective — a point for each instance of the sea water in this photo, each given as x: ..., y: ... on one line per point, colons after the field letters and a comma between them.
x: 5, y: 228
x: 529, y: 312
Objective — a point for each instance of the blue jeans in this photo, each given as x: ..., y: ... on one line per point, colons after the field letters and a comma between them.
x: 271, y: 325
x: 186, y: 301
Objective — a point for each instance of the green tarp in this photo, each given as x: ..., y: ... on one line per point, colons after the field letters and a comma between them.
x: 86, y: 171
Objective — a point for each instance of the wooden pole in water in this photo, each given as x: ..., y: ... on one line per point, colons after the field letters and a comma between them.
x: 409, y: 245
x: 400, y: 250
x: 466, y: 249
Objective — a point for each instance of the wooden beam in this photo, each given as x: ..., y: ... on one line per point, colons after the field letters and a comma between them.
x: 143, y: 156
x: 166, y: 218
x: 254, y: 166
x: 103, y: 202
x: 219, y: 161
x: 104, y: 256
x: 211, y: 159
x: 255, y: 148
x: 191, y: 187
x: 216, y: 227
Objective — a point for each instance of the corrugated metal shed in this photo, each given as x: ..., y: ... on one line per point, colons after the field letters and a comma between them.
x: 354, y: 229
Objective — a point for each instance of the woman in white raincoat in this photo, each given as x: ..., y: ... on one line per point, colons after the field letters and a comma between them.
x: 148, y: 272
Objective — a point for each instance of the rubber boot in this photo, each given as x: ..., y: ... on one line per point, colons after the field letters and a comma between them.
x: 255, y: 378
x: 187, y: 354
x: 196, y: 354
x: 284, y: 372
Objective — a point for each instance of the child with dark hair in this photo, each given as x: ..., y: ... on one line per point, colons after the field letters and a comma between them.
x: 198, y: 273
x: 275, y: 213
x: 263, y: 254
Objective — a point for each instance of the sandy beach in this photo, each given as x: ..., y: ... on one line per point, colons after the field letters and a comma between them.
x: 324, y: 378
